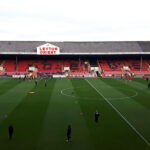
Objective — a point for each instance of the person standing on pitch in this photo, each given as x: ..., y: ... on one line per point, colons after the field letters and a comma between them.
x: 19, y: 79
x: 147, y: 79
x: 69, y: 133
x: 96, y: 116
x: 35, y: 82
x: 45, y: 83
x: 10, y: 130
x: 148, y: 85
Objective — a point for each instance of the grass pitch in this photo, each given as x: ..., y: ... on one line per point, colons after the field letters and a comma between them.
x: 40, y: 115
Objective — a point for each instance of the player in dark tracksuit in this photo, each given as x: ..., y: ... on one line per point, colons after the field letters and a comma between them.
x: 149, y: 86
x: 19, y: 79
x: 10, y: 130
x: 96, y: 116
x: 45, y: 83
x: 35, y: 82
x: 147, y: 79
x: 69, y: 133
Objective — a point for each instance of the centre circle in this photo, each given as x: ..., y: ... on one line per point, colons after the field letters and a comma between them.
x: 70, y: 92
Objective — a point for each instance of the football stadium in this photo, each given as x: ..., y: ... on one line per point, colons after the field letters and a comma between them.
x: 74, y: 95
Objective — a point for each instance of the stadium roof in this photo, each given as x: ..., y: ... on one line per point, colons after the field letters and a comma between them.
x: 77, y: 48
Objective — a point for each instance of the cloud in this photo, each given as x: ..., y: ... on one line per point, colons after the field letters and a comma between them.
x: 75, y: 20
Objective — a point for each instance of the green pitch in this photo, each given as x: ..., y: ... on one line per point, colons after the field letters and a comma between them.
x: 40, y: 118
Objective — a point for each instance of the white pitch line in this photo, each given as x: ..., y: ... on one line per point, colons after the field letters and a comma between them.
x: 110, y: 99
x: 140, y: 135
x: 62, y: 92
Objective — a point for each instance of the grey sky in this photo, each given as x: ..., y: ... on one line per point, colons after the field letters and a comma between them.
x: 75, y: 20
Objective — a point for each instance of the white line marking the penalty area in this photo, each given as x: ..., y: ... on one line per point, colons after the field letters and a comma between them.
x: 140, y: 135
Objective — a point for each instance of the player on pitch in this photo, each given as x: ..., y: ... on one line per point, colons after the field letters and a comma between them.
x: 69, y: 134
x: 10, y: 130
x: 45, y: 83
x: 36, y: 82
x: 96, y: 116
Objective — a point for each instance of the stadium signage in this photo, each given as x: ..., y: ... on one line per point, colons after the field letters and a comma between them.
x: 48, y: 49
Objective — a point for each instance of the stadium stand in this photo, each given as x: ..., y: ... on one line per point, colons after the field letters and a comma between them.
x: 23, y: 65
x: 8, y: 65
x: 116, y: 66
x: 80, y: 58
x: 40, y: 65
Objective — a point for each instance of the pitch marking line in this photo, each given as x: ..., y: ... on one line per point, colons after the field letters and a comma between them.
x: 109, y: 98
x: 62, y: 92
x: 69, y: 95
x: 140, y: 135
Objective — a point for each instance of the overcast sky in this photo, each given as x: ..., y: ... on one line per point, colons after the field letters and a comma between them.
x: 75, y: 20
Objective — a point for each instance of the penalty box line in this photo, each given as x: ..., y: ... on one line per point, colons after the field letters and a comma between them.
x: 118, y: 112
